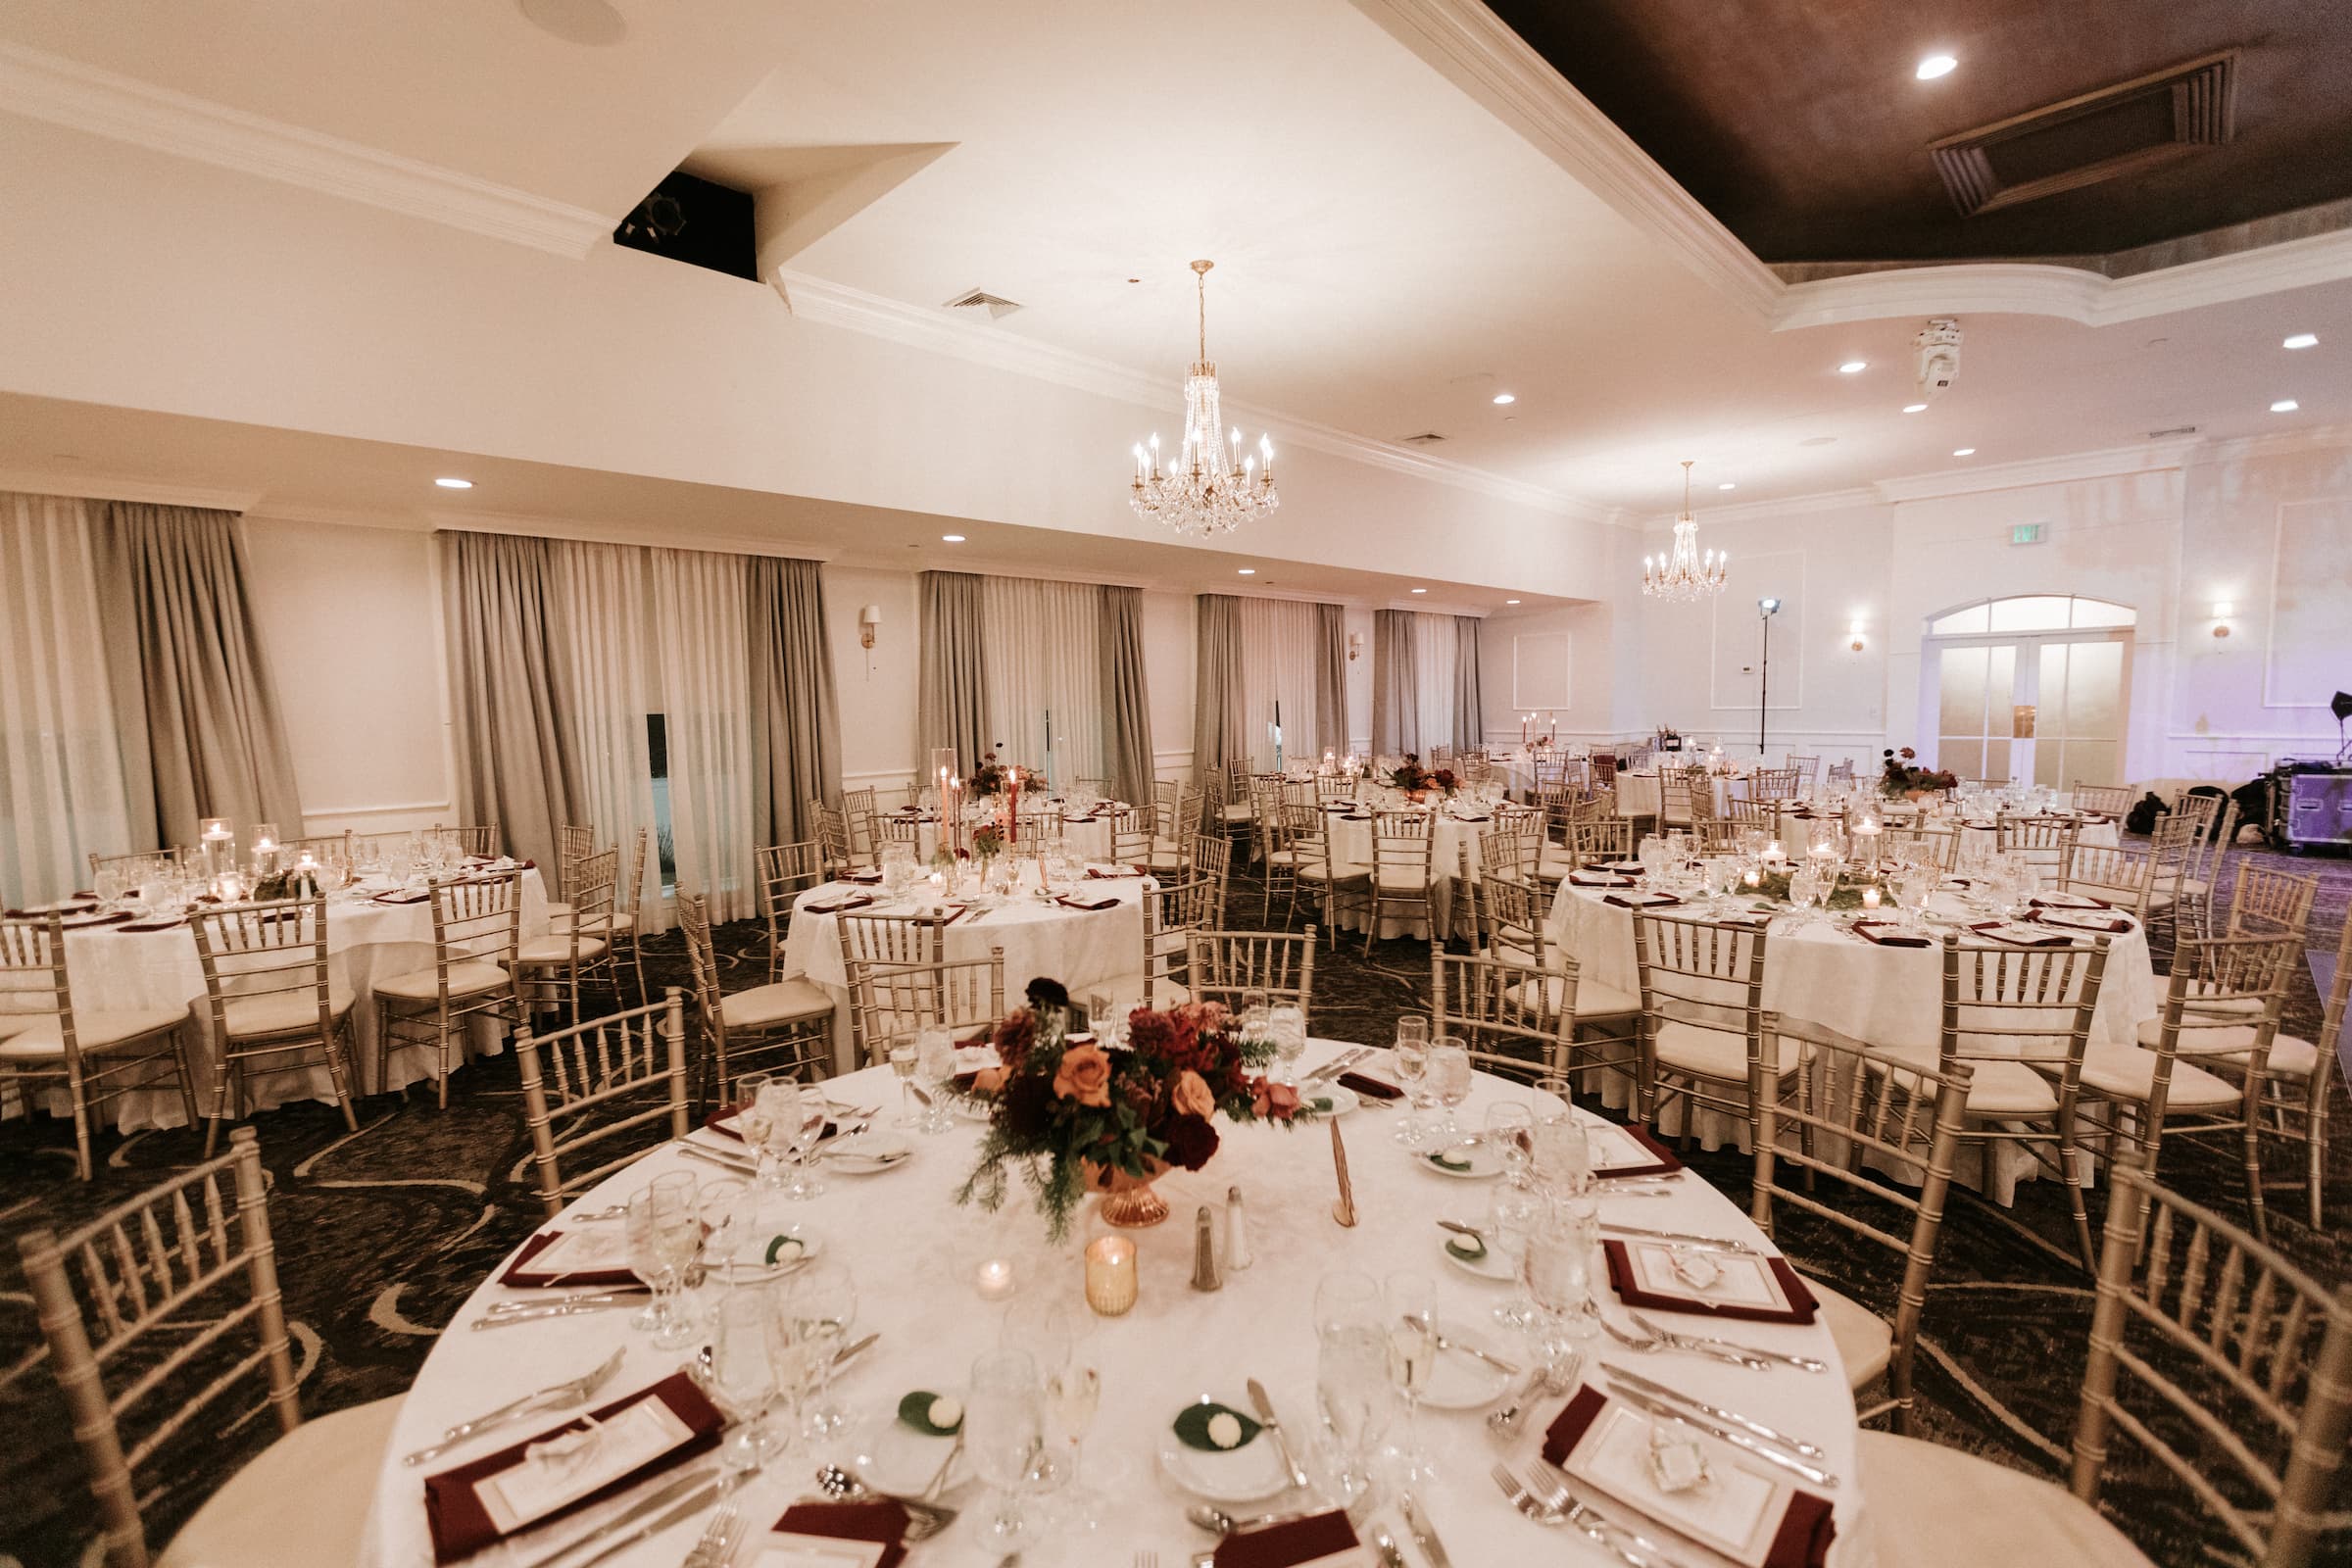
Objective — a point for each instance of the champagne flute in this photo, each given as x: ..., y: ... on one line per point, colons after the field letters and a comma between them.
x: 906, y: 1053
x: 824, y: 1300
x: 1556, y: 1268
x: 1449, y: 1079
x: 1409, y: 1310
x: 936, y: 1060
x: 1511, y: 1212
x: 1509, y: 1130
x: 751, y: 1117
x: 1412, y: 1065
x: 1005, y: 1427
x: 664, y: 1227
x: 801, y: 1136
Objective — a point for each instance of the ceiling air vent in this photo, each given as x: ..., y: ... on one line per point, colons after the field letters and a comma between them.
x: 2117, y: 130
x: 1427, y: 438
x: 982, y: 300
x: 2178, y: 429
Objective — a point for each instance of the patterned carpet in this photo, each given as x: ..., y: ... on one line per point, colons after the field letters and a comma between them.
x: 381, y: 1234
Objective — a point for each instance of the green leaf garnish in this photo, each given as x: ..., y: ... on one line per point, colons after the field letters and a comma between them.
x: 1322, y: 1102
x: 1469, y: 1248
x: 1193, y: 1424
x: 785, y: 1247
x: 916, y: 1411
x: 1449, y: 1161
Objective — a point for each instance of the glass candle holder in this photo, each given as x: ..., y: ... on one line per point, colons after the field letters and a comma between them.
x: 217, y: 841
x: 995, y: 1279
x: 1110, y: 1275
x: 266, y: 848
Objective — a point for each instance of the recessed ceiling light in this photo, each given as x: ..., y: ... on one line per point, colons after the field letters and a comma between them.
x: 1853, y: 368
x: 1936, y: 66
x: 2302, y: 340
x: 1247, y: 572
x: 455, y: 484
x: 2286, y: 406
x: 1964, y: 452
x: 1915, y: 408
x: 1727, y: 485
x: 1505, y: 397
x: 1420, y: 590
x: 1510, y: 600
x: 950, y: 538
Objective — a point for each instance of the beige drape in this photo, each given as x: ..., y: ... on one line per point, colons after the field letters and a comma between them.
x: 1126, y: 698
x: 1218, y: 693
x: 1395, y: 683
x: 509, y: 701
x: 952, y: 705
x: 1469, y: 706
x: 1331, y: 678
x: 796, y: 719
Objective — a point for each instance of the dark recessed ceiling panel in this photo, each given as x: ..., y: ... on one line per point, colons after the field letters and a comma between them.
x: 1800, y: 124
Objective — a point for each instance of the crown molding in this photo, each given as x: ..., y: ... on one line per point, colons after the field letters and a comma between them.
x: 102, y: 103
x: 829, y: 304
x: 1815, y: 502
x: 2146, y: 456
x: 397, y: 519
x: 648, y: 536
x: 1475, y: 50
x: 2277, y: 443
x: 118, y: 487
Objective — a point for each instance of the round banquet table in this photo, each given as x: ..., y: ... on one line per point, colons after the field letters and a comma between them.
x: 1642, y: 795
x: 113, y: 968
x: 1083, y: 837
x: 911, y: 1251
x: 1083, y: 949
x: 1976, y: 834
x: 1821, y: 973
x: 1454, y: 833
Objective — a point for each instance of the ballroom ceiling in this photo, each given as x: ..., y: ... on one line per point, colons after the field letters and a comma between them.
x: 1800, y: 124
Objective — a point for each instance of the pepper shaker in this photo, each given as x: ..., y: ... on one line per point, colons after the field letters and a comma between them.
x: 1205, y: 1251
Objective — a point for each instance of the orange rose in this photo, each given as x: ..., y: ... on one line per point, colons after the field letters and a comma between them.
x: 1084, y: 1075
x: 1190, y: 1097
x: 988, y: 1080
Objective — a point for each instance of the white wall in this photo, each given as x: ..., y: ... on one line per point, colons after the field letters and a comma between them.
x: 878, y: 742
x: 1526, y: 658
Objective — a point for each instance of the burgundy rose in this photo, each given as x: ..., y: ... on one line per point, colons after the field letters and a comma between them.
x: 1028, y: 1106
x: 1192, y: 1142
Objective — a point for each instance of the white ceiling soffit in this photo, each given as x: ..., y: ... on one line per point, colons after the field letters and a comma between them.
x: 1476, y: 52
x: 102, y: 103
x: 830, y: 303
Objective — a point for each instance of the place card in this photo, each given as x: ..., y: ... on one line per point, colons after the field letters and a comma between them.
x: 568, y: 1464
x: 1745, y: 1510
x: 593, y: 1256
x: 1628, y: 1152
x: 1090, y: 905
x: 865, y: 1534
x: 1318, y: 1541
x: 1746, y: 1286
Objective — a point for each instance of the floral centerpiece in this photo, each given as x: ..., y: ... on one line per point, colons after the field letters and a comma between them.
x: 1078, y: 1116
x: 1774, y: 885
x: 1414, y: 779
x: 988, y: 840
x: 1004, y: 778
x: 1899, y: 776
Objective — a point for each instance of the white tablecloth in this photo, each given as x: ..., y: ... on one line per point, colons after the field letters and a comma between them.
x: 1975, y: 833
x: 1083, y: 837
x: 1642, y: 794
x: 1079, y: 948
x: 1452, y: 835
x: 124, y: 969
x: 913, y: 1251
x: 1889, y: 997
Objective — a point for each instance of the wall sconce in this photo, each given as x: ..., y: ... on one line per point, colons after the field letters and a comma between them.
x: 1855, y: 640
x: 2222, y: 609
x: 1355, y: 644
x: 869, y: 621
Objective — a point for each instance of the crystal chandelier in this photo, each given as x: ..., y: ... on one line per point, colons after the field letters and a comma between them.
x: 1686, y: 575
x: 1209, y: 490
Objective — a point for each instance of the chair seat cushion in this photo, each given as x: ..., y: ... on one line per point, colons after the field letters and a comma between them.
x: 303, y: 1501
x: 598, y: 924
x: 788, y: 1001
x: 94, y: 1030
x: 1933, y: 1506
x: 2206, y: 1001
x: 1719, y: 1053
x: 1865, y: 1341
x: 2127, y: 1072
x: 2291, y: 1056
x: 287, y: 1012
x: 1399, y: 878
x: 1240, y: 813
x: 2196, y: 1036
x: 557, y: 910
x: 2123, y: 898
x: 469, y: 978
x: 1995, y: 1089
x: 558, y: 950
x: 1593, y: 1000
x: 1345, y: 871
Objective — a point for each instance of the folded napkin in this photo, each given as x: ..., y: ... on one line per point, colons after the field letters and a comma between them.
x: 1585, y: 880
x: 1887, y: 934
x: 863, y: 879
x: 153, y: 925
x: 2068, y: 901
x: 1318, y: 1541
x: 404, y: 895
x: 1644, y: 900
x: 855, y: 900
x: 879, y: 1522
x: 1363, y: 1085
x: 1356, y: 816
x: 722, y: 1122
x: 1087, y: 904
x: 83, y: 923
x: 2020, y: 936
x: 1097, y: 874
x: 2082, y: 920
x: 460, y: 1522
x: 2093, y: 818
x: 79, y: 903
x: 1621, y: 867
x: 1663, y: 1160
x: 1625, y: 1281
x: 522, y: 1277
x: 1807, y: 1524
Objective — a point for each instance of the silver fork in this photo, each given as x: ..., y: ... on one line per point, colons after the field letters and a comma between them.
x: 1563, y: 1507
x: 1710, y: 1346
x: 711, y: 1549
x: 1658, y: 1344
x: 1553, y: 1380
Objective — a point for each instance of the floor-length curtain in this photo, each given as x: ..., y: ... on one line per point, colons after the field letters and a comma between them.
x: 1279, y: 672
x: 215, y: 738
x: 795, y: 719
x: 1469, y: 700
x: 952, y: 703
x: 1126, y: 697
x: 1040, y: 652
x: 510, y: 696
x: 1395, y: 683
x: 1331, y: 678
x: 700, y: 602
x: 612, y: 681
x: 63, y: 791
x: 1219, y: 693
x: 1432, y: 679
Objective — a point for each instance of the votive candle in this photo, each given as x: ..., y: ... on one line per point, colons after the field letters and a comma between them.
x: 1111, y: 1282
x: 993, y: 1280
x: 1870, y: 897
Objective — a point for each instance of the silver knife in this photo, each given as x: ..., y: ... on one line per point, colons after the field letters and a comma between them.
x: 535, y: 1314
x: 1425, y: 1533
x: 1736, y: 1439
x: 1749, y: 1422
x: 693, y: 1480
x: 1386, y: 1544
x: 701, y: 1499
x: 711, y: 1156
x: 1507, y: 1369
x: 1715, y: 1243
x: 1282, y: 1445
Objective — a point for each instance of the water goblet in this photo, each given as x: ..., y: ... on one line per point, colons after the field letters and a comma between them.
x: 1511, y: 1211
x: 743, y: 1373
x: 935, y: 1047
x: 1557, y: 1270
x: 905, y: 1054
x: 824, y: 1306
x: 1412, y: 1073
x: 1288, y: 1025
x: 1449, y: 1079
x: 664, y: 1229
x: 1509, y: 1129
x: 1005, y: 1429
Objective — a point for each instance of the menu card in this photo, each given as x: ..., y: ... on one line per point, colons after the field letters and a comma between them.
x: 865, y: 1534
x: 1319, y: 1540
x: 1628, y: 1152
x: 591, y: 1255
x: 1746, y: 1286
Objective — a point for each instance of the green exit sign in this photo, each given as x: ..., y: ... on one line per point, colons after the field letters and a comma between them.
x: 2026, y: 533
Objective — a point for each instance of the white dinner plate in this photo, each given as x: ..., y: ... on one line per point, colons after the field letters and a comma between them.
x: 1460, y: 1381
x: 1343, y: 1101
x: 1485, y: 1266
x: 893, y: 1457
x: 1483, y: 1162
x: 1249, y: 1473
x: 868, y: 1152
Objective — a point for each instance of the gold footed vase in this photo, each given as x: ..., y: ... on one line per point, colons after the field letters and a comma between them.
x: 1128, y: 1202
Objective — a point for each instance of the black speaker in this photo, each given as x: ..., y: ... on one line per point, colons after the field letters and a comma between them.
x: 698, y: 222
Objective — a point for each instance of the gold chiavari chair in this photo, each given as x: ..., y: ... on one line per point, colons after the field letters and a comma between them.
x: 1605, y: 772
x: 550, y: 970
x: 608, y: 1078
x: 1937, y: 846
x: 2201, y: 873
x: 1131, y: 838
x: 1599, y: 1022
x: 1212, y: 859
x: 1175, y: 828
x: 1331, y: 787
x: 137, y: 861
x: 785, y: 1024
x: 1701, y: 1033
x: 574, y: 843
x: 1099, y: 787
x: 619, y: 930
x: 786, y: 872
x: 2298, y: 1078
x: 885, y: 942
x: 1512, y: 846
x: 1222, y: 964
x: 2268, y: 901
x: 271, y: 997
x: 892, y: 999
x: 1677, y: 797
x: 2112, y: 800
x: 1403, y: 847
x: 1806, y: 768
x: 1486, y: 1004
x: 1172, y: 912
x: 1748, y: 814
x: 1280, y: 853
x: 478, y: 838
x: 2123, y: 879
x: 1848, y: 1110
x: 2221, y: 1007
x: 833, y: 834
x: 2040, y: 842
x: 93, y: 1055
x: 477, y: 929
x: 172, y: 1282
x: 1841, y: 771
x: 1600, y: 840
x: 1776, y: 784
x: 1268, y: 812
x: 1314, y: 869
x: 1717, y: 836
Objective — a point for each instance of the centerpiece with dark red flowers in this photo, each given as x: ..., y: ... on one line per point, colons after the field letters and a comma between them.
x: 1005, y: 778
x: 1417, y: 781
x: 1898, y: 776
x: 1078, y: 1116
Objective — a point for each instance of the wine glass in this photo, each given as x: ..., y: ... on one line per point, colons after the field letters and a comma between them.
x: 1449, y: 1079
x: 1801, y: 883
x: 1289, y: 1025
x: 751, y: 1117
x: 935, y: 1060
x: 780, y: 1100
x: 1557, y: 1270
x: 1003, y: 1430
x: 743, y: 1373
x: 1510, y: 1127
x: 664, y: 1229
x: 906, y: 1052
x: 1412, y: 1070
x: 1562, y: 1160
x: 801, y: 1136
x: 824, y: 1302
x: 1351, y: 1371
x: 1409, y: 1318
x: 1511, y: 1212
x: 1825, y: 888
x: 1254, y: 1018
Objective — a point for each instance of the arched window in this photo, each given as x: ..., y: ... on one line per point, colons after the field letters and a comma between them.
x: 2031, y: 612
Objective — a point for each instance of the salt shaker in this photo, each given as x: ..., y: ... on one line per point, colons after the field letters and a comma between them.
x: 1237, y: 1230
x: 1204, y: 1252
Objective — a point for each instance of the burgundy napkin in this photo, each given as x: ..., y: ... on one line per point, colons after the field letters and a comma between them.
x: 877, y: 1519
x: 523, y: 1277
x: 2068, y: 901
x: 79, y: 903
x: 1095, y: 875
x: 2079, y: 920
x: 1807, y: 1529
x: 865, y: 879
x: 1363, y: 1085
x: 1087, y: 904
x: 1292, y: 1542
x: 722, y: 1122
x: 1649, y: 900
x: 855, y: 900
x: 1356, y: 816
x: 1621, y: 867
x: 1583, y: 881
x: 1887, y: 934
x: 1994, y: 929
x: 402, y: 895
x: 153, y: 925
x: 461, y: 1526
x: 1622, y: 1279
x: 1665, y: 1165
x: 86, y: 922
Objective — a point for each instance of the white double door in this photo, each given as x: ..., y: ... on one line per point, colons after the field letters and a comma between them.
x: 2047, y: 710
